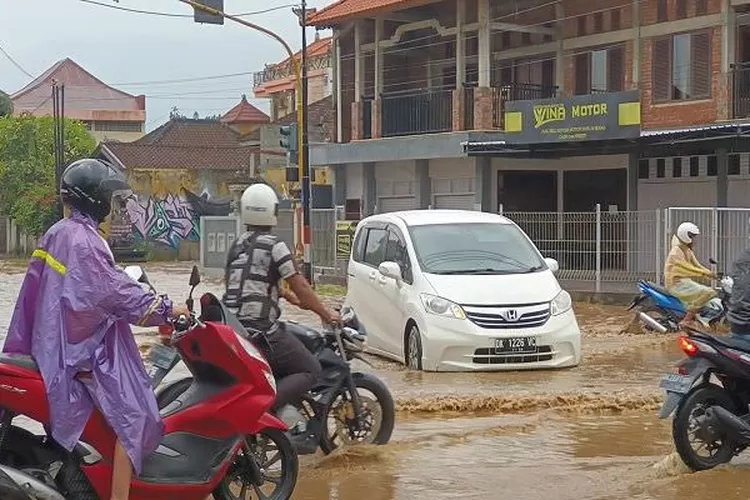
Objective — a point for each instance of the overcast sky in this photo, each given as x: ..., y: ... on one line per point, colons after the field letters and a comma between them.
x: 134, y: 52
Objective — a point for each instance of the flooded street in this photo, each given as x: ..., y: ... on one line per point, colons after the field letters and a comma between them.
x: 577, y: 434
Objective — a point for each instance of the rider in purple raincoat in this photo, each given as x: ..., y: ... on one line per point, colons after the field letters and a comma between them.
x: 73, y: 316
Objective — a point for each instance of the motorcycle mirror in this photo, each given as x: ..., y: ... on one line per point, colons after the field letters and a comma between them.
x: 195, y: 277
x: 712, y: 261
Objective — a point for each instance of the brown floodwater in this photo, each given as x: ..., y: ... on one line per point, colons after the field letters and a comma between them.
x: 589, y: 432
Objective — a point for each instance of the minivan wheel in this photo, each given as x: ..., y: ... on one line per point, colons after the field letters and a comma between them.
x: 414, y: 348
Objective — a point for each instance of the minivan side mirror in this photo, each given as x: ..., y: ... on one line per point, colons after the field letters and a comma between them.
x: 552, y: 264
x: 390, y: 269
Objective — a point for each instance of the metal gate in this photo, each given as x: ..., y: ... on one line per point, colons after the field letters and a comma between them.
x: 217, y: 235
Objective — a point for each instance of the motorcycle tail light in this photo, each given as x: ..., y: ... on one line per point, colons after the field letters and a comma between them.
x: 688, y: 346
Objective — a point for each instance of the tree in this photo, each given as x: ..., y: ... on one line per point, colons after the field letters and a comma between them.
x: 27, y: 168
x: 6, y: 105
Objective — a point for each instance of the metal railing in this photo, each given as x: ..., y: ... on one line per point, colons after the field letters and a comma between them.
x: 526, y: 91
x: 416, y: 112
x: 367, y: 119
x: 740, y: 80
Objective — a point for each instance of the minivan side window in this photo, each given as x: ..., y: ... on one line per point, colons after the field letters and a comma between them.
x: 377, y: 240
x: 396, y: 252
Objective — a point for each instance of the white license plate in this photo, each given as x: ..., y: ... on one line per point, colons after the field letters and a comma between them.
x: 515, y: 345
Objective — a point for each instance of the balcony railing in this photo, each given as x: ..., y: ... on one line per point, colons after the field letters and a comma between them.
x: 367, y: 118
x: 740, y: 79
x: 526, y: 91
x: 416, y: 112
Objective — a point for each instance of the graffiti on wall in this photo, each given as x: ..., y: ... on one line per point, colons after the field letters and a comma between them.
x: 167, y: 220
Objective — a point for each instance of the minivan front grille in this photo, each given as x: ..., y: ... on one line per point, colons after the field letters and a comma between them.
x: 487, y: 356
x: 497, y: 318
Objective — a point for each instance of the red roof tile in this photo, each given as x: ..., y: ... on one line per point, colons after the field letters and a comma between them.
x: 318, y: 47
x: 86, y: 97
x: 245, y: 112
x: 184, y: 143
x: 347, y: 9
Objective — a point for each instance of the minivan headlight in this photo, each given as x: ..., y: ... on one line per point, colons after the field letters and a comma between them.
x: 441, y: 307
x: 562, y: 303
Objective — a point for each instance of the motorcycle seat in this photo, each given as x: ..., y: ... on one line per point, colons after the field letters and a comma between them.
x: 19, y: 360
x: 658, y: 288
x: 738, y: 343
x: 309, y: 336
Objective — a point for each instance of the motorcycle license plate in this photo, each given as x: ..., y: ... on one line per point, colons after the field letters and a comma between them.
x: 162, y: 356
x: 679, y: 384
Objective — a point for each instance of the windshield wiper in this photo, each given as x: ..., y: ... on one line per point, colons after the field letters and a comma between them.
x: 534, y: 269
x: 476, y: 271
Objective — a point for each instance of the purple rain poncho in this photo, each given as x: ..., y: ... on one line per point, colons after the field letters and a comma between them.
x: 73, y: 316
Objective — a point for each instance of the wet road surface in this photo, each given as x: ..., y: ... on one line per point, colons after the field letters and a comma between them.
x: 577, y: 434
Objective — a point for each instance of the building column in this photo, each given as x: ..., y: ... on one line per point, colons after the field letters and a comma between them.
x: 459, y: 95
x: 483, y: 119
x: 632, y: 191
x: 483, y: 183
x: 724, y: 102
x: 337, y: 80
x: 636, y: 50
x: 359, y: 73
x: 369, y: 191
x: 423, y: 183
x: 376, y: 108
x: 560, y: 53
x: 339, y: 184
x: 722, y: 177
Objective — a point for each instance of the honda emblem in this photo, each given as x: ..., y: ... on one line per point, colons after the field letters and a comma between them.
x: 511, y: 315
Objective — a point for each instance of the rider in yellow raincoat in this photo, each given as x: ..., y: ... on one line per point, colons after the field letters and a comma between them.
x: 682, y: 269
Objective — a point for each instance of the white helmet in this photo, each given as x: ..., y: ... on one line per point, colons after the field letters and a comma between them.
x: 259, y: 205
x: 686, y: 232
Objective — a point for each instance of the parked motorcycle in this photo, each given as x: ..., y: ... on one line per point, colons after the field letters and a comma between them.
x: 714, y: 415
x: 217, y: 434
x: 341, y: 395
x: 660, y: 311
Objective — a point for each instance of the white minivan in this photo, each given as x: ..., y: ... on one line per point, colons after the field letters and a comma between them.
x: 459, y: 290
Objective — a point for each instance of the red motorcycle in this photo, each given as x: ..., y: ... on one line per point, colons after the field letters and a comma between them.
x: 219, y: 437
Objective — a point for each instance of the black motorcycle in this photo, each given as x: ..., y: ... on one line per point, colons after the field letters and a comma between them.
x: 338, y: 411
x: 709, y: 416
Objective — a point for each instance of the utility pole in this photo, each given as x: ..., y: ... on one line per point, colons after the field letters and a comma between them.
x: 305, y: 160
x: 58, y: 120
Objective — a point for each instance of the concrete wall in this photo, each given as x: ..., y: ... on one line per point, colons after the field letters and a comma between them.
x: 161, y: 217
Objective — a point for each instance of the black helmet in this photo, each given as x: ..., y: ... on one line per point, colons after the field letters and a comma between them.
x: 88, y: 185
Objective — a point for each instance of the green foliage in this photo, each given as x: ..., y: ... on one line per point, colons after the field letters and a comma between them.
x: 27, y: 168
x: 6, y: 105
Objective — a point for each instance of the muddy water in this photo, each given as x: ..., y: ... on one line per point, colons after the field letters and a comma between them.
x: 585, y: 433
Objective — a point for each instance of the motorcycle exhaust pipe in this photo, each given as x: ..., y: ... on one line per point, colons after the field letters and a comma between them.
x: 15, y: 483
x: 652, y: 323
x: 736, y: 427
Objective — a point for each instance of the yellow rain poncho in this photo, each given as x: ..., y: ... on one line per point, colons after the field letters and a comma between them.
x: 680, y: 269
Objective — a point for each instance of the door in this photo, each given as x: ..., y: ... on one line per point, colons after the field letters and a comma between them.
x: 395, y: 294
x: 365, y: 281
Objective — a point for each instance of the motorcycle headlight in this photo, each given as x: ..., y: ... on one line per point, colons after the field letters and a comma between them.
x: 562, y: 303
x: 441, y: 307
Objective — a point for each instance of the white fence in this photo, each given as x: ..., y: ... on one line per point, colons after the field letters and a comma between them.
x: 603, y: 248
x: 598, y: 251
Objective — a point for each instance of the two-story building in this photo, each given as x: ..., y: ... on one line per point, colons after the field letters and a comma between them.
x: 539, y: 106
x: 108, y: 113
x: 277, y: 81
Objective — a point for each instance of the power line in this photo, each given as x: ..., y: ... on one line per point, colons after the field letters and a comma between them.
x: 184, y: 80
x: 15, y: 63
x: 174, y: 14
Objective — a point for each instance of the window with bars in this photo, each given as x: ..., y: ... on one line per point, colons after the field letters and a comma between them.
x: 600, y: 70
x: 681, y: 9
x: 682, y: 67
x: 701, y: 7
x: 615, y: 19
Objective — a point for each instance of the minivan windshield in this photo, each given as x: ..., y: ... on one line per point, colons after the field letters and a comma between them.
x: 475, y: 248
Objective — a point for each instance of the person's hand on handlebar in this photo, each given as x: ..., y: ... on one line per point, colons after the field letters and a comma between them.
x: 332, y: 318
x: 180, y: 310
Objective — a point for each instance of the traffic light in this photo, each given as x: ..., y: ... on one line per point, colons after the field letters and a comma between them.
x: 289, y: 138
x: 201, y: 16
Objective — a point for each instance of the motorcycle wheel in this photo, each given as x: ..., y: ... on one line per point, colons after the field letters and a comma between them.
x: 267, y: 449
x: 685, y: 428
x: 378, y: 422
